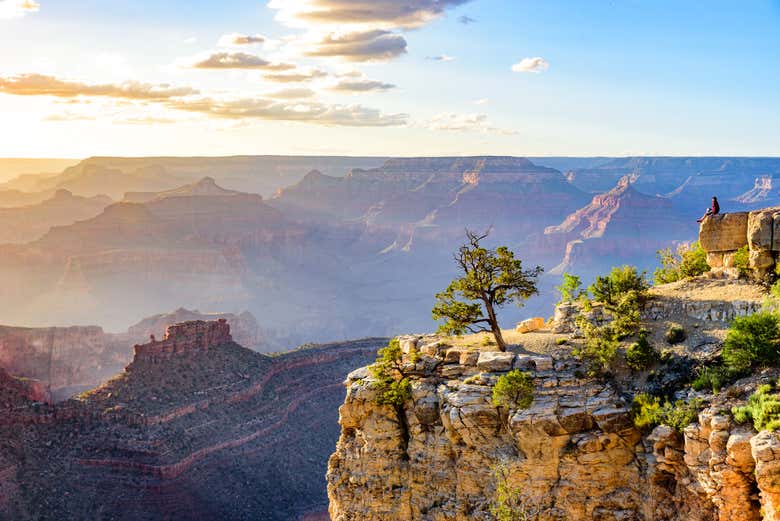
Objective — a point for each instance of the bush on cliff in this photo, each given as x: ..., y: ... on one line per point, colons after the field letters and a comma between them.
x: 715, y: 378
x: 390, y: 381
x: 648, y: 412
x: 641, y: 355
x: 571, y: 288
x: 753, y: 341
x: 762, y: 409
x: 688, y: 260
x: 599, y: 352
x: 514, y: 390
x: 742, y: 261
x: 621, y: 281
x: 511, y: 503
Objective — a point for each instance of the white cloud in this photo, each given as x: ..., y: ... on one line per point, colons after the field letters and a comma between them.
x: 441, y: 58
x: 453, y: 122
x: 535, y: 65
x: 296, y: 76
x: 370, y: 13
x: 17, y: 8
x: 238, y: 40
x: 361, y: 85
x: 234, y: 60
x: 481, y: 101
x: 42, y: 85
x: 359, y: 46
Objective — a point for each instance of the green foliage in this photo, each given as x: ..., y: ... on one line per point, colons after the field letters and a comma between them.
x: 561, y: 341
x: 715, y: 378
x: 391, y: 384
x: 489, y: 279
x: 621, y: 280
x: 752, y: 341
x: 648, y: 412
x: 689, y: 260
x: 763, y: 409
x: 742, y: 261
x: 514, y: 390
x: 675, y: 334
x: 510, y: 503
x: 600, y: 350
x: 571, y: 288
x: 641, y: 355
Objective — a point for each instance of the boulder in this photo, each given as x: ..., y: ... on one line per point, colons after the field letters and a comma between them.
x: 532, y: 324
x: 724, y: 232
x: 491, y: 361
x: 759, y: 230
x: 715, y: 259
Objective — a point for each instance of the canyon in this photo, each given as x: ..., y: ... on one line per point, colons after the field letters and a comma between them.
x: 304, y: 243
x: 195, y: 427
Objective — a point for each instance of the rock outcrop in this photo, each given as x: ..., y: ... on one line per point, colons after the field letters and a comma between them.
x: 722, y: 235
x: 196, y: 428
x: 573, y: 455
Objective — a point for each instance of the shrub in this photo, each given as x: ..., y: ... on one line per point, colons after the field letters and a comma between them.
x: 752, y: 341
x: 715, y: 378
x: 510, y: 503
x: 763, y: 409
x: 610, y: 288
x: 571, y: 288
x: 561, y: 341
x: 391, y: 384
x: 742, y: 261
x: 600, y: 350
x: 648, y: 412
x: 514, y: 389
x: 689, y: 260
x: 675, y: 334
x: 626, y: 314
x: 641, y: 355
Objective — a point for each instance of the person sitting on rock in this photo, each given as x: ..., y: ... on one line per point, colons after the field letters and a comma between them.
x: 714, y: 210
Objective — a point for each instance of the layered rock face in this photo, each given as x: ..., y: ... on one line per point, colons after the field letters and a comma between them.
x: 196, y: 428
x: 572, y: 452
x: 573, y: 455
x: 722, y: 235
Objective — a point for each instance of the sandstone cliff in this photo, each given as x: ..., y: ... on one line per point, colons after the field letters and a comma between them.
x: 575, y: 453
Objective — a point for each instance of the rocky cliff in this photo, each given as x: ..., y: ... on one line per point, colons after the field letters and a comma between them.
x: 575, y: 453
x: 197, y: 427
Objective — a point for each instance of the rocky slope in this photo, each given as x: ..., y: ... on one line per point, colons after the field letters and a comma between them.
x: 575, y: 453
x: 68, y: 360
x: 196, y: 427
x: 28, y: 223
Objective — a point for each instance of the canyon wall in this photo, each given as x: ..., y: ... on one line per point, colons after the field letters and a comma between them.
x: 574, y: 455
x: 722, y: 235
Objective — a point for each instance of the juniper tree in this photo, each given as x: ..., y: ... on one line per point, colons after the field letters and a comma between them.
x: 489, y: 280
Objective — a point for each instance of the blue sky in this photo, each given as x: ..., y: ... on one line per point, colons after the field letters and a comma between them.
x: 599, y: 78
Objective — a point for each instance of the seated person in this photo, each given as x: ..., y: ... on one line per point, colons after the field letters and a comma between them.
x: 713, y: 210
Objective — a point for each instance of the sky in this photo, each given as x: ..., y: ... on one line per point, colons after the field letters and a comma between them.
x: 81, y: 78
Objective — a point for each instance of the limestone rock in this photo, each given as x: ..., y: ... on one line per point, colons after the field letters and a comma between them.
x: 495, y: 361
x: 759, y: 230
x: 532, y: 324
x: 724, y: 232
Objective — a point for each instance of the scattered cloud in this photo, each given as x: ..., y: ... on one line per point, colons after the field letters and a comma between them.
x: 441, y: 58
x: 362, y: 85
x: 285, y: 105
x: 17, y: 8
x: 466, y: 20
x: 238, y: 40
x: 294, y: 93
x: 297, y: 76
x: 481, y: 101
x: 236, y: 60
x: 43, y: 85
x: 191, y: 40
x: 308, y: 112
x: 452, y: 122
x: 360, y: 46
x: 535, y: 65
x: 371, y: 13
